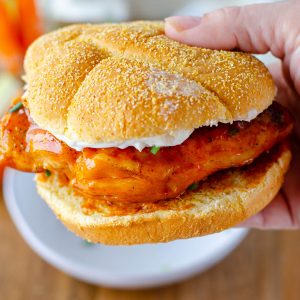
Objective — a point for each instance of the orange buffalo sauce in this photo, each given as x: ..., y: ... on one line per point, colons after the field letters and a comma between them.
x: 123, y: 176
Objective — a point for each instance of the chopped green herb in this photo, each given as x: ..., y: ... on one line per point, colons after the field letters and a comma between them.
x: 87, y: 243
x: 16, y: 107
x: 154, y: 149
x: 233, y: 131
x: 48, y: 173
x: 193, y: 186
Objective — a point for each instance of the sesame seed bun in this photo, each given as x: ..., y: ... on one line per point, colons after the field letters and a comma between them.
x: 113, y: 82
x: 223, y: 200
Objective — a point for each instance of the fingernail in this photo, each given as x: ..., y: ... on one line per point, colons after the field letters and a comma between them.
x: 181, y: 23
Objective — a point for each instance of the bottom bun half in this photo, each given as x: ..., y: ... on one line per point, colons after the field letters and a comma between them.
x: 221, y: 201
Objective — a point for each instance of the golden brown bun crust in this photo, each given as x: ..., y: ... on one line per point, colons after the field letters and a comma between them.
x: 222, y: 201
x: 111, y: 82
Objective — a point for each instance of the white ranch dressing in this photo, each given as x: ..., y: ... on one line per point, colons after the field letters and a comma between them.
x: 164, y: 140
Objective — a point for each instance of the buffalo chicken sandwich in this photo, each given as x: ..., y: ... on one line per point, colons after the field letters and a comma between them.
x: 136, y: 138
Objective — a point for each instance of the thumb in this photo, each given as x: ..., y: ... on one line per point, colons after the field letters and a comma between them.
x: 250, y: 28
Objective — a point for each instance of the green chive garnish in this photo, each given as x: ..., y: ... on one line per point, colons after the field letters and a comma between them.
x: 193, y: 186
x: 47, y: 173
x: 233, y: 131
x: 154, y: 149
x: 87, y: 243
x: 16, y: 107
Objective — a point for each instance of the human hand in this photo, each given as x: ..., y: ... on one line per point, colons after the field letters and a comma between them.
x: 259, y: 29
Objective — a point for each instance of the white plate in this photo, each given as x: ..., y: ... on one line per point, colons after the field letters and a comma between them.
x: 115, y: 266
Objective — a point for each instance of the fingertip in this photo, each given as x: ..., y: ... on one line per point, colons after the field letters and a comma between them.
x: 206, y: 31
x: 186, y: 30
x: 181, y: 23
x: 170, y: 30
x: 179, y: 27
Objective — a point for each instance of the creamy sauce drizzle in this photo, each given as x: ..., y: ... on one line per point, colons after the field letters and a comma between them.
x: 164, y: 140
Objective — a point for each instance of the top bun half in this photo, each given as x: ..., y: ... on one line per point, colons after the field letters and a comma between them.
x: 113, y: 82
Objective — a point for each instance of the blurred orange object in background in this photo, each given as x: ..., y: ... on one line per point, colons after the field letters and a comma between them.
x: 29, y: 22
x: 20, y: 25
x: 11, y: 51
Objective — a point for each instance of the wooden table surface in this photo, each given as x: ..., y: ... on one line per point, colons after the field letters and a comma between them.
x: 265, y: 266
